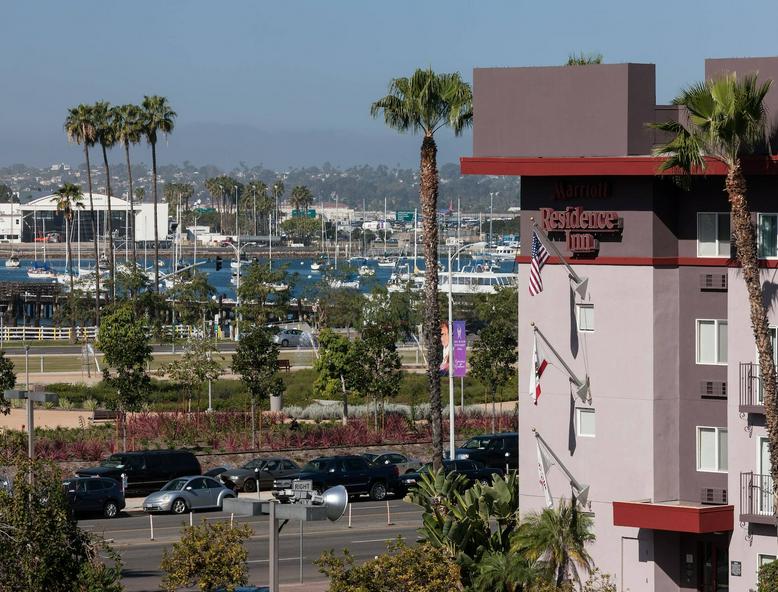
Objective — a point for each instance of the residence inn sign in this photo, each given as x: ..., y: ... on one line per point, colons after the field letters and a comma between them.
x: 582, y: 229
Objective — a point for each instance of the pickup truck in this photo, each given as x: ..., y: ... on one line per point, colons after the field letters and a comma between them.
x: 473, y: 470
x: 355, y: 473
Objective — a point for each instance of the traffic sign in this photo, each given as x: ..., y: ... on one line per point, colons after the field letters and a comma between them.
x: 298, y: 214
x: 403, y: 216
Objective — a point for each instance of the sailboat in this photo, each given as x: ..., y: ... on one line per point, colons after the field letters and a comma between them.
x: 13, y: 261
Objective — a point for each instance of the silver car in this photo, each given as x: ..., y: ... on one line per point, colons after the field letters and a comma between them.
x: 266, y: 470
x: 292, y: 338
x: 188, y: 493
x: 405, y: 464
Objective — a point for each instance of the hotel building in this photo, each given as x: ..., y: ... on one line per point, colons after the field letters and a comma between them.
x: 672, y: 441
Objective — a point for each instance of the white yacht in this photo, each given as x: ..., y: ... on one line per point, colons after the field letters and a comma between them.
x: 365, y: 270
x: 503, y: 253
x: 478, y: 280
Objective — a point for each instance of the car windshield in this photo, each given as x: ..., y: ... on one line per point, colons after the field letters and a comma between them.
x: 175, y: 485
x: 115, y: 460
x: 477, y: 443
x: 319, y: 464
x: 254, y: 464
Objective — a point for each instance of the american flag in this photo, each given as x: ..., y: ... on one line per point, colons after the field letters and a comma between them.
x: 539, y: 258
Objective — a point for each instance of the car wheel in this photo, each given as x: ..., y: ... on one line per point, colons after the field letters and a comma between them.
x: 178, y: 507
x: 250, y: 485
x: 221, y: 503
x: 378, y: 491
x: 110, y: 509
x: 285, y: 343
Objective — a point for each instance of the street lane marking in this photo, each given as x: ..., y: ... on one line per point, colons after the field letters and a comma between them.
x: 375, y: 540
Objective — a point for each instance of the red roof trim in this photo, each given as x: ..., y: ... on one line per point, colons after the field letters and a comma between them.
x: 674, y: 518
x: 584, y: 166
x: 656, y: 261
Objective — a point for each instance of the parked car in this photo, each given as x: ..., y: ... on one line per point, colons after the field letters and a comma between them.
x: 146, y: 470
x: 94, y: 495
x: 355, y: 473
x: 292, y: 338
x: 404, y: 464
x: 494, y: 450
x: 264, y: 469
x: 193, y: 492
x: 473, y: 470
x: 369, y: 456
x: 215, y: 472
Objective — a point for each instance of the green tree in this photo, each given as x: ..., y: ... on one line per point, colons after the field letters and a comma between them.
x: 158, y: 117
x: 43, y: 547
x: 128, y: 129
x: 256, y: 361
x: 209, y: 556
x: 493, y: 358
x: 768, y: 577
x: 106, y: 137
x: 278, y: 193
x: 80, y: 128
x: 727, y: 119
x: 124, y: 341
x: 68, y: 199
x: 339, y: 307
x: 335, y: 367
x: 556, y: 539
x: 191, y: 298
x: 380, y: 368
x: 7, y: 195
x: 264, y: 294
x: 256, y: 199
x: 301, y: 198
x: 583, y: 59
x: 424, y: 103
x: 417, y: 568
x: 7, y: 381
x: 195, y: 368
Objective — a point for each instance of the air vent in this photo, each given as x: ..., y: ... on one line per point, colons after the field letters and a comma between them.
x: 713, y: 281
x: 713, y: 389
x: 713, y: 495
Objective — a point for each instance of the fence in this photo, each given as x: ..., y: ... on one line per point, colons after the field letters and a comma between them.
x: 81, y: 333
x: 756, y: 497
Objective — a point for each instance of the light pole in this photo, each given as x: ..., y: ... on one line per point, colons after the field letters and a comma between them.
x: 451, y: 256
x: 210, y: 396
x: 31, y: 397
x: 238, y: 250
x: 491, y: 208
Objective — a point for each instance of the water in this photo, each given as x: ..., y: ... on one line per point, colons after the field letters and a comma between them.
x: 298, y: 272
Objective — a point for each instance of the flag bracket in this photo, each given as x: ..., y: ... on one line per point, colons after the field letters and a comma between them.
x: 580, y: 283
x: 583, y: 387
x: 580, y: 490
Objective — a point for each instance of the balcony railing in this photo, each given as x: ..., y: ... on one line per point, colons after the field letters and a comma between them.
x: 756, y: 498
x: 751, y: 400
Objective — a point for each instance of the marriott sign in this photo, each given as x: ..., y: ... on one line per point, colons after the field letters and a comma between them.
x: 581, y: 227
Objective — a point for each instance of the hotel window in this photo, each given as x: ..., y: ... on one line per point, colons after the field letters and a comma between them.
x: 584, y: 422
x: 585, y: 317
x: 763, y: 559
x: 767, y: 235
x: 712, y: 449
x: 711, y: 342
x: 713, y: 234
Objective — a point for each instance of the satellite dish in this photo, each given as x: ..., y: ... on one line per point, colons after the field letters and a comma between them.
x: 335, y: 500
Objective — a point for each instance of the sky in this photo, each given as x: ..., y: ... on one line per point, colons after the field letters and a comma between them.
x: 289, y: 83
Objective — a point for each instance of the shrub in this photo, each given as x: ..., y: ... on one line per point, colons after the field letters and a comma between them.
x: 90, y: 404
x: 66, y: 404
x: 420, y: 568
x: 768, y: 577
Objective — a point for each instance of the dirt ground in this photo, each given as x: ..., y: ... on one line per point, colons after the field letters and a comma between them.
x: 45, y: 418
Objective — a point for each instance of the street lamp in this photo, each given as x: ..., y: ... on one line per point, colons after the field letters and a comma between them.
x: 210, y: 396
x: 452, y: 445
x: 238, y: 250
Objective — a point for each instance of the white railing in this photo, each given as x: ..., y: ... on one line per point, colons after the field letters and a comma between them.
x: 90, y: 333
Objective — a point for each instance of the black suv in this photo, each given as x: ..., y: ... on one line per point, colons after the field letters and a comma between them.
x: 473, y: 470
x: 147, y: 471
x: 94, y: 495
x: 493, y: 450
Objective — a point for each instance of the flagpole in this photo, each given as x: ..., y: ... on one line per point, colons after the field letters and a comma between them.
x: 583, y: 385
x: 583, y: 490
x: 580, y: 282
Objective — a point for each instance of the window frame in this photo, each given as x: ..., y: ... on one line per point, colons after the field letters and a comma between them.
x: 716, y: 324
x: 578, y: 412
x: 717, y: 241
x: 578, y: 307
x: 759, y: 557
x: 759, y: 235
x: 717, y: 431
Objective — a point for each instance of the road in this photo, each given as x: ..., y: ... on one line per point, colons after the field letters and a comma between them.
x: 366, y: 538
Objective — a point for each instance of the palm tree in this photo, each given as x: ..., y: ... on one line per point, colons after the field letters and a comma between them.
x: 128, y: 125
x: 278, y: 193
x: 424, y: 103
x: 555, y: 540
x: 106, y: 137
x: 256, y: 190
x: 726, y: 120
x: 301, y: 198
x: 157, y: 117
x: 69, y: 198
x: 80, y: 128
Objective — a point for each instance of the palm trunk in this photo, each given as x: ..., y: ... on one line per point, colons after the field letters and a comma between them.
x: 132, y: 205
x: 72, y: 296
x: 494, y: 408
x: 109, y: 225
x: 745, y: 243
x: 253, y: 426
x: 156, y: 231
x: 94, y: 237
x: 345, y: 399
x: 429, y: 205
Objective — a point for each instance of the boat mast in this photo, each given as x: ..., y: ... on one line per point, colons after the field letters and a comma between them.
x: 384, y: 226
x: 336, y: 232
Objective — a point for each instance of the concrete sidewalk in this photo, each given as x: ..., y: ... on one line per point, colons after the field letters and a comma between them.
x: 318, y: 586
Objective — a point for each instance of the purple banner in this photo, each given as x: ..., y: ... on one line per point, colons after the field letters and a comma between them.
x: 459, y: 340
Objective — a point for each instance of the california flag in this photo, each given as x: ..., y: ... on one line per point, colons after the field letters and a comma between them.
x: 539, y: 364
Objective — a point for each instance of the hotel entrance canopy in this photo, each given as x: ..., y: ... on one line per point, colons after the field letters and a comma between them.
x: 674, y: 516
